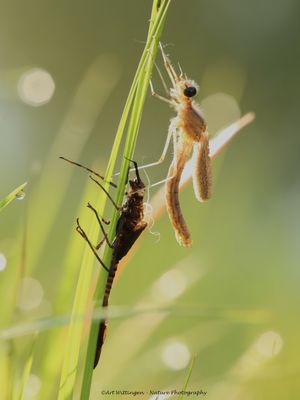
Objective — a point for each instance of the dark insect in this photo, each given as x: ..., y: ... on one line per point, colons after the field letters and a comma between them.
x: 130, y: 225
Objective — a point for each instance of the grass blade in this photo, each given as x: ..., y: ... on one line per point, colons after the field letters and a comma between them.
x: 137, y: 95
x: 142, y: 78
x: 187, y: 379
x: 15, y: 194
x: 26, y: 373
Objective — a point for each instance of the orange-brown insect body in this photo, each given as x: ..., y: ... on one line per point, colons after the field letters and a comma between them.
x: 189, y: 133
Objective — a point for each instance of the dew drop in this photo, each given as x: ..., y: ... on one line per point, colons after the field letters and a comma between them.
x: 20, y: 195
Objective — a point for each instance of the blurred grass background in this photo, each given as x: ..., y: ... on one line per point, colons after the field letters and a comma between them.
x: 243, y: 267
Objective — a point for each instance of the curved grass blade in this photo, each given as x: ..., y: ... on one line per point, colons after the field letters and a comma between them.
x: 234, y: 316
x: 51, y: 362
x: 18, y: 193
x: 187, y: 379
x: 73, y: 343
x: 141, y: 81
x: 26, y: 373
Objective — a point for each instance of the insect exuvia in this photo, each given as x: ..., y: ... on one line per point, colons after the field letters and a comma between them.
x: 189, y: 132
x: 130, y: 225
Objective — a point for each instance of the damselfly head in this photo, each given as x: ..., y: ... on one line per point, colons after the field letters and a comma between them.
x: 188, y: 87
x: 184, y: 90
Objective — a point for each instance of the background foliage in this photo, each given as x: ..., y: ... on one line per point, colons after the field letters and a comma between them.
x: 242, y: 272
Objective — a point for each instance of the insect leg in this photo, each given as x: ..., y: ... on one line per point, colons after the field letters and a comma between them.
x: 84, y: 235
x: 162, y: 80
x: 181, y: 72
x: 161, y: 182
x: 101, y: 227
x: 171, y: 129
x: 169, y: 67
x: 154, y: 94
x: 88, y: 169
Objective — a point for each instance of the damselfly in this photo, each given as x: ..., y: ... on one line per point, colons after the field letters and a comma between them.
x: 189, y: 132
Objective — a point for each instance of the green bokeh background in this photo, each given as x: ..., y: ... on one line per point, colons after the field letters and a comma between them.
x: 245, y: 238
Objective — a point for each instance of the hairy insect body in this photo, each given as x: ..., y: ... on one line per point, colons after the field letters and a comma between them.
x: 191, y: 122
x: 202, y: 170
x: 189, y: 133
x: 181, y: 155
x: 194, y: 126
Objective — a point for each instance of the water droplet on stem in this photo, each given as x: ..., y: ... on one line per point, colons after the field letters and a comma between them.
x: 20, y: 195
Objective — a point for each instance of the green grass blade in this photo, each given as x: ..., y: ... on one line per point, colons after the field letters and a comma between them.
x: 73, y: 344
x: 52, y: 360
x: 12, y: 196
x: 187, y: 379
x: 139, y: 86
x: 26, y: 373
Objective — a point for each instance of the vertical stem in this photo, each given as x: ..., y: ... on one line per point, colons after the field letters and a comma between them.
x: 139, y: 89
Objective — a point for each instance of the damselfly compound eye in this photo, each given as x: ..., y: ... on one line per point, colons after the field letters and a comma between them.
x: 190, y: 91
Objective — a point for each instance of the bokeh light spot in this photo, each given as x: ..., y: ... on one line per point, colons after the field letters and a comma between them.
x: 3, y: 262
x: 33, y: 386
x: 269, y: 344
x: 36, y: 87
x: 31, y: 294
x: 170, y: 285
x: 176, y: 355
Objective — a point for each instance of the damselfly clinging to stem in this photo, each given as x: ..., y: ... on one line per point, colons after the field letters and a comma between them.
x: 189, y: 132
x: 130, y: 225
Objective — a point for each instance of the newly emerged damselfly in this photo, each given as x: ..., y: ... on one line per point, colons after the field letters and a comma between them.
x: 189, y: 133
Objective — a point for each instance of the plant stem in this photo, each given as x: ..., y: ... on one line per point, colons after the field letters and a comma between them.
x: 137, y: 92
